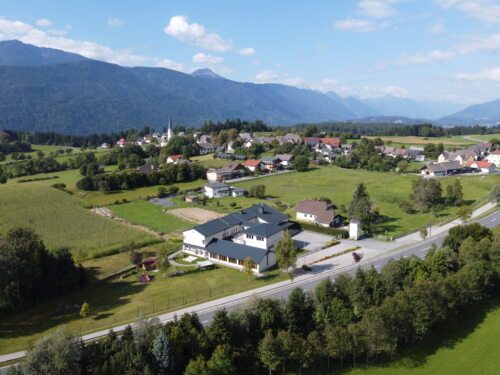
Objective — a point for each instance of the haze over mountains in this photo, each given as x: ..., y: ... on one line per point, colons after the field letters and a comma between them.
x: 50, y: 90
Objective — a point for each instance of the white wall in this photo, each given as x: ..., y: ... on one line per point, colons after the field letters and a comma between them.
x: 306, y: 217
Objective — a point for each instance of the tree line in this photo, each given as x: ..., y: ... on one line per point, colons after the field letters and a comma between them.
x: 168, y: 174
x: 29, y: 273
x: 361, y: 318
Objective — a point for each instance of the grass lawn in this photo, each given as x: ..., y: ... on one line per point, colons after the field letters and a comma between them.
x: 470, y: 349
x: 385, y: 189
x: 100, y: 268
x: 208, y: 161
x: 124, y: 300
x: 47, y: 149
x: 151, y: 216
x: 60, y: 220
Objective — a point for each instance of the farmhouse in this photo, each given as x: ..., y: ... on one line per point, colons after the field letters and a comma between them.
x: 318, y: 212
x: 249, y: 233
x: 271, y: 163
x: 286, y: 160
x: 482, y: 166
x: 442, y: 169
x: 291, y: 138
x: 175, y: 159
x: 221, y: 190
x: 253, y: 165
x: 227, y: 172
x: 207, y: 148
x: 494, y: 158
x: 462, y: 156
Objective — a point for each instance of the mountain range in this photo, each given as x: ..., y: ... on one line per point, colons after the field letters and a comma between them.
x: 43, y: 89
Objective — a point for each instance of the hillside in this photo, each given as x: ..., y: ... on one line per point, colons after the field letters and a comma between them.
x: 42, y: 89
x: 486, y: 113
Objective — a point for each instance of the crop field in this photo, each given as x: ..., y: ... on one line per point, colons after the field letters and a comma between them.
x: 60, y: 220
x: 385, y: 189
x: 471, y: 349
x: 446, y: 141
x: 125, y: 300
x: 151, y: 216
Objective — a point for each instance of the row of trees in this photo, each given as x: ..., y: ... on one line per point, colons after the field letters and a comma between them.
x: 364, y: 317
x: 168, y: 174
x: 29, y: 273
x: 427, y: 196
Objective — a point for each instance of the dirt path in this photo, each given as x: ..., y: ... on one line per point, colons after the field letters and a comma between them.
x: 198, y: 215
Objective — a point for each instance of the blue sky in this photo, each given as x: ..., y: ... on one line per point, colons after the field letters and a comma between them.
x: 445, y: 50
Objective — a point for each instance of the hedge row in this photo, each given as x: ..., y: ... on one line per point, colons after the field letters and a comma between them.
x: 324, y: 230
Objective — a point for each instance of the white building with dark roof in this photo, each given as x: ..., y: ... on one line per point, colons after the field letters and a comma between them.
x: 252, y: 232
x: 318, y: 212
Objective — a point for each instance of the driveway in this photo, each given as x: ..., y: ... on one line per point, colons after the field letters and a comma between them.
x: 311, y: 241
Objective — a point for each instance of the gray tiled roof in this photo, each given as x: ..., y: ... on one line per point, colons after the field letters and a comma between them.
x: 236, y: 250
x: 265, y: 230
x: 261, y: 211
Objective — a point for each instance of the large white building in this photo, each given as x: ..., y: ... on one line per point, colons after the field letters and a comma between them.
x: 229, y: 240
x: 494, y: 158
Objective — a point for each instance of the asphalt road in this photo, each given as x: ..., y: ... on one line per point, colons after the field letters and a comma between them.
x: 206, y: 310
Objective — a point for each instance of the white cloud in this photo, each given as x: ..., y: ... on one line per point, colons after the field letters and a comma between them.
x: 377, y: 8
x: 115, y: 23
x: 489, y: 43
x: 329, y: 81
x: 425, y: 58
x: 169, y: 64
x: 194, y: 33
x: 201, y: 58
x: 266, y: 76
x: 387, y: 90
x: 437, y: 28
x: 359, y: 25
x: 43, y: 22
x: 248, y: 51
x: 31, y: 35
x: 489, y: 74
x: 57, y: 32
x: 484, y: 10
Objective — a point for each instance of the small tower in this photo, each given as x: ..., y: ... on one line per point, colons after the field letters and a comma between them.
x: 355, y: 229
x: 170, y: 132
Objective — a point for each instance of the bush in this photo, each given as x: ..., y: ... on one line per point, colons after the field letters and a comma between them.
x: 232, y: 204
x: 406, y: 207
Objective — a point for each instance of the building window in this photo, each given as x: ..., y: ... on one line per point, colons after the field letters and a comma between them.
x: 223, y: 258
x: 254, y: 266
x: 250, y: 236
x: 232, y: 260
x: 240, y: 262
x: 260, y: 238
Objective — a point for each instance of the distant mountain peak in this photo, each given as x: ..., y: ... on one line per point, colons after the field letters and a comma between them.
x: 206, y: 73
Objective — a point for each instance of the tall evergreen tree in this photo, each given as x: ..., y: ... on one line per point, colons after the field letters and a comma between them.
x: 361, y: 207
x: 162, y: 353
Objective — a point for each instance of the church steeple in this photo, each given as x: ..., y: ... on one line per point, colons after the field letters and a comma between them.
x: 170, y: 132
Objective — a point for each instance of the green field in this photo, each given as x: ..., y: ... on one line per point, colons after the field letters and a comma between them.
x: 208, y: 161
x: 125, y: 300
x: 60, y: 220
x: 385, y: 189
x: 151, y: 216
x: 471, y: 349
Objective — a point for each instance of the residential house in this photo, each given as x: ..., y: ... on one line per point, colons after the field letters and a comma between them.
x: 207, y: 148
x: 122, y: 142
x: 253, y: 165
x: 442, y: 169
x: 145, y: 169
x: 461, y: 156
x: 221, y: 190
x: 481, y: 149
x: 311, y: 141
x: 494, y: 158
x: 176, y: 159
x: 245, y: 137
x: 291, y: 138
x: 270, y: 163
x: 332, y: 142
x: 482, y: 166
x: 230, y: 240
x: 286, y: 160
x: 223, y: 155
x: 415, y: 154
x: 105, y: 145
x: 205, y: 139
x: 318, y: 212
x: 227, y: 172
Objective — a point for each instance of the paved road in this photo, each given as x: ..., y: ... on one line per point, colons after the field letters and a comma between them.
x: 305, y: 281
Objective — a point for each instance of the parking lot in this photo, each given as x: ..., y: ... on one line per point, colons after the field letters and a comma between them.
x: 311, y: 241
